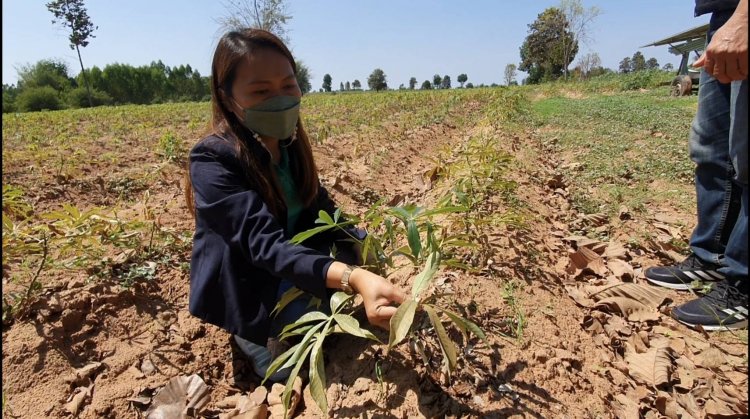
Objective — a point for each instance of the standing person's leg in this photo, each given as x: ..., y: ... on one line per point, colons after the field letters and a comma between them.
x: 717, y: 197
x: 726, y: 306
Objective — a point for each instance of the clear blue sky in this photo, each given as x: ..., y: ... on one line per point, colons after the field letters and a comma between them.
x: 347, y: 39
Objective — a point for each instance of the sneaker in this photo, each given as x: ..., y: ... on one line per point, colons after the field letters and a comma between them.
x: 723, y: 308
x: 682, y: 275
x: 261, y: 358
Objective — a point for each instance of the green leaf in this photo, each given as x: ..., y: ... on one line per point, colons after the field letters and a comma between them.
x: 279, y: 361
x: 337, y: 215
x: 449, y: 349
x: 296, y: 332
x: 415, y: 243
x: 290, y: 295
x: 287, y: 395
x: 350, y: 325
x: 465, y: 324
x: 305, y: 342
x: 443, y: 210
x: 318, y: 374
x: 401, y: 322
x: 304, y: 235
x: 324, y: 218
x: 338, y: 299
x: 423, y: 280
x: 401, y: 213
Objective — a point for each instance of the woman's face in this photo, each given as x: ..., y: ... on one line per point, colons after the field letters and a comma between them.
x: 263, y: 75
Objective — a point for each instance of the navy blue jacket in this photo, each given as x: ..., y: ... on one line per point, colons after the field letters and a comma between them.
x: 241, y: 250
x: 712, y: 6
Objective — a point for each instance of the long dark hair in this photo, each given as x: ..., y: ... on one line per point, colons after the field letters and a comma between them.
x: 254, y: 158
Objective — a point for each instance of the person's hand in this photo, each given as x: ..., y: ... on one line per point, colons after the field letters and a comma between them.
x: 378, y: 295
x: 726, y: 55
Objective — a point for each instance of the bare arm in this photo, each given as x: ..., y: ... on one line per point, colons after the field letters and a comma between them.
x: 726, y: 55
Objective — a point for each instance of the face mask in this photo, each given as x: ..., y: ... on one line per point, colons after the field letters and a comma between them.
x: 276, y: 117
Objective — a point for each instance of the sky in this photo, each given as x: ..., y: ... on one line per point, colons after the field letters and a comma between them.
x: 346, y: 39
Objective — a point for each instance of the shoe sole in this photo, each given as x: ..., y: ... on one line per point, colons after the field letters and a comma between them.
x: 670, y: 285
x: 718, y: 328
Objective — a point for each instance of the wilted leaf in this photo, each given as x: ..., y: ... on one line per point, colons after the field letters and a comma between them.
x: 183, y: 396
x: 465, y: 325
x: 725, y: 403
x: 422, y: 281
x: 651, y: 368
x: 585, y: 258
x: 711, y: 358
x: 401, y: 322
x: 621, y: 269
x: 637, y: 302
x: 615, y: 250
x: 449, y: 349
x: 625, y: 408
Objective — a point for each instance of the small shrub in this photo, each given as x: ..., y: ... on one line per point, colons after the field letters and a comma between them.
x: 39, y: 98
x: 78, y: 98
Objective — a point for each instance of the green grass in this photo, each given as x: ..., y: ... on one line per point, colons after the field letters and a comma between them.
x: 632, y: 147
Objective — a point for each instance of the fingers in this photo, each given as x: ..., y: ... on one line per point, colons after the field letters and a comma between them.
x: 700, y: 62
x: 733, y: 70
x: 743, y: 68
x: 720, y: 71
x: 382, y: 316
x: 396, y: 295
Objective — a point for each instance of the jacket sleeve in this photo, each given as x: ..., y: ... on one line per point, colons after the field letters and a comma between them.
x: 239, y: 215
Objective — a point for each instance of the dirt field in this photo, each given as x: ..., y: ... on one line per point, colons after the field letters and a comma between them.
x: 102, y: 335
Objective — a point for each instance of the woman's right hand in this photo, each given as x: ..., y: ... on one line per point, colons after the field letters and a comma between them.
x: 378, y: 295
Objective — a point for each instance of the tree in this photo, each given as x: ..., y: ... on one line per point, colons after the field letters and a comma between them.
x: 269, y: 15
x: 469, y: 85
x: 542, y: 54
x: 348, y: 86
x: 588, y: 63
x: 376, y: 81
x: 462, y: 79
x: 436, y: 81
x: 10, y: 92
x: 426, y: 85
x: 72, y: 15
x: 652, y: 64
x: 638, y: 62
x: 510, y: 74
x: 412, y: 83
x: 668, y: 67
x: 45, y: 73
x: 356, y: 84
x: 303, y: 77
x: 625, y: 65
x: 446, y: 83
x: 401, y: 87
x: 341, y: 86
x: 327, y: 82
x: 578, y: 21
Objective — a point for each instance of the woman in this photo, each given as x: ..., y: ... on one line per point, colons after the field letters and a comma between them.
x: 253, y: 186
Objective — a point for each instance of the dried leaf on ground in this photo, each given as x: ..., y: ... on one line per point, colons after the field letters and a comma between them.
x: 651, y: 368
x: 81, y: 375
x: 79, y: 399
x: 636, y: 302
x: 711, y: 358
x: 275, y: 403
x: 725, y: 402
x: 615, y: 250
x: 586, y: 259
x: 625, y: 408
x: 666, y: 405
x: 622, y: 270
x: 183, y: 396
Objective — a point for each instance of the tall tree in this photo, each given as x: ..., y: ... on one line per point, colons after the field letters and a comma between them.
x: 269, y: 15
x: 652, y: 64
x: 542, y: 54
x: 436, y: 81
x: 578, y: 20
x: 348, y: 86
x: 327, y: 82
x: 625, y: 65
x: 462, y: 79
x: 587, y: 63
x: 638, y: 62
x: 72, y: 15
x: 446, y: 83
x: 341, y: 86
x: 356, y: 84
x: 303, y: 77
x: 377, y: 81
x: 510, y: 74
x: 668, y: 67
x: 426, y: 85
x: 412, y: 83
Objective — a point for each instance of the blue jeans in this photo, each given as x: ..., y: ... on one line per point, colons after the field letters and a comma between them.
x: 718, y: 146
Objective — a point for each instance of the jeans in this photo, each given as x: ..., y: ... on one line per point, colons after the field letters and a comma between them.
x: 718, y: 146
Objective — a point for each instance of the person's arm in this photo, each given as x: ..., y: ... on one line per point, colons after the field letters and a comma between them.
x: 726, y: 55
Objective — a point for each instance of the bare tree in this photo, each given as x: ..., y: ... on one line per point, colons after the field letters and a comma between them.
x: 269, y: 15
x: 510, y: 74
x: 587, y: 63
x: 578, y: 19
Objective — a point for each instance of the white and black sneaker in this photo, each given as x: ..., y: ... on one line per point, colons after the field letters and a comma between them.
x: 723, y: 308
x: 690, y: 273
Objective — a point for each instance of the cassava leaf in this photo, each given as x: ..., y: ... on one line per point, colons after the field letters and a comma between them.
x: 350, y: 325
x: 465, y: 324
x: 412, y: 234
x: 290, y: 295
x: 338, y: 299
x: 423, y: 280
x: 449, y: 349
x: 279, y: 361
x: 304, y: 235
x: 401, y: 322
x: 324, y: 218
x: 318, y: 373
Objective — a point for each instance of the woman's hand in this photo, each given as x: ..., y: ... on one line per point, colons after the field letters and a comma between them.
x: 378, y: 295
